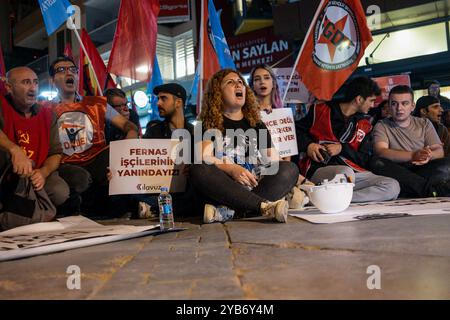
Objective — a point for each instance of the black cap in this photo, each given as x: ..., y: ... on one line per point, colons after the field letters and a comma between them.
x: 172, y: 88
x: 426, y: 101
x: 423, y: 103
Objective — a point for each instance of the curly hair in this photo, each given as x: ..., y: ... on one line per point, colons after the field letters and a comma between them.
x: 275, y: 96
x: 213, y: 102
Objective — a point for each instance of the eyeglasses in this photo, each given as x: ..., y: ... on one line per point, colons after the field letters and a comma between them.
x: 123, y: 106
x: 72, y: 69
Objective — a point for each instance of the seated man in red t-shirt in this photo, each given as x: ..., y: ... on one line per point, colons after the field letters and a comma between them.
x: 29, y: 136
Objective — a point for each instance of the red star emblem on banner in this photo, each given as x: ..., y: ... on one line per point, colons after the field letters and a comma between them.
x: 329, y: 31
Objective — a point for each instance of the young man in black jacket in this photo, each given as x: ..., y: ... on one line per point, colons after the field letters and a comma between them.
x: 336, y: 139
x: 171, y: 101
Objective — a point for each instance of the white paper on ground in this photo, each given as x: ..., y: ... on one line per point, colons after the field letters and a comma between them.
x: 64, y: 234
x: 378, y: 210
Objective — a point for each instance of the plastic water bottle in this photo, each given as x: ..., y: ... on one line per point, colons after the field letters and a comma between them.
x: 165, y: 210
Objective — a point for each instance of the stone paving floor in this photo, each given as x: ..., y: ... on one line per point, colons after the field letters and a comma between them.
x: 250, y: 259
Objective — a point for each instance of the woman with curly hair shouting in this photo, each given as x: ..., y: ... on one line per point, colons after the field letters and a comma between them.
x: 240, y: 170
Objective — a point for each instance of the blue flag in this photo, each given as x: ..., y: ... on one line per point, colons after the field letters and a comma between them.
x: 218, y: 38
x: 54, y: 13
x: 154, y: 82
x: 194, y: 87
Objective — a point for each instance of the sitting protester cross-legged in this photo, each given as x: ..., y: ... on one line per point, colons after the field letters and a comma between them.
x: 29, y: 139
x: 171, y: 101
x: 244, y: 174
x: 81, y: 122
x: 117, y: 99
x: 409, y: 149
x: 335, y: 137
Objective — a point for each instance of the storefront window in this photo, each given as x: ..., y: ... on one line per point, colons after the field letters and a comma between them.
x: 164, y: 51
x: 406, y: 43
x: 175, y: 58
x: 184, y: 55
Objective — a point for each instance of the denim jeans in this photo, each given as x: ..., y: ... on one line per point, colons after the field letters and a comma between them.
x: 217, y: 187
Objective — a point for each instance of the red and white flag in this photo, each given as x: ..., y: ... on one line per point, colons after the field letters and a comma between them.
x: 333, y: 46
x: 134, y: 44
x: 87, y: 85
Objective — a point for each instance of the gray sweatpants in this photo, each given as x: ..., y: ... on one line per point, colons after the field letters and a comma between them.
x: 368, y: 186
x: 56, y: 188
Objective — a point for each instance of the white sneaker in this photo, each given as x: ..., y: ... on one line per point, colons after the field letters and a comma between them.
x: 217, y: 214
x: 305, y: 182
x: 145, y: 211
x: 277, y: 210
x: 297, y: 199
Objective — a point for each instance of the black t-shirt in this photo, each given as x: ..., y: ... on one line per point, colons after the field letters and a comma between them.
x: 244, y: 144
x: 157, y: 129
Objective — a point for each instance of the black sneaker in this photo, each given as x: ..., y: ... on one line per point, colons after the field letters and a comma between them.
x: 441, y: 189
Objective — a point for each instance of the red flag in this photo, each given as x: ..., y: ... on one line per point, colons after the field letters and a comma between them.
x: 336, y: 41
x: 209, y: 60
x: 2, y: 73
x: 87, y: 85
x: 208, y: 57
x: 134, y: 44
x: 68, y: 50
x: 109, y: 83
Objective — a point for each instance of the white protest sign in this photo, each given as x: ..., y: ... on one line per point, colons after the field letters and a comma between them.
x: 297, y: 91
x: 280, y: 123
x: 144, y: 166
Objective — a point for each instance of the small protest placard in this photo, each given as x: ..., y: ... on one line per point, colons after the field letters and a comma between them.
x: 280, y: 123
x: 297, y: 92
x: 144, y: 166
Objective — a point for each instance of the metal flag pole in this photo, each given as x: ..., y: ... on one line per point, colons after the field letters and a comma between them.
x: 85, y: 54
x: 301, y: 49
x: 200, y: 65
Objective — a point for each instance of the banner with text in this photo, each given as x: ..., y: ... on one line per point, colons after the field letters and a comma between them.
x: 297, y: 92
x: 387, y: 83
x: 259, y: 47
x: 280, y: 123
x: 174, y: 11
x: 144, y: 166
